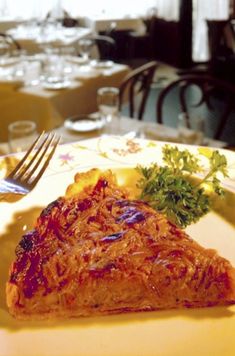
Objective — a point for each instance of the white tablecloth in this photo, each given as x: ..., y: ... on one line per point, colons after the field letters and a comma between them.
x: 7, y: 22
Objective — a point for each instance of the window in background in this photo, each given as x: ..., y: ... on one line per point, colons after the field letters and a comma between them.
x: 203, y: 10
x: 27, y: 9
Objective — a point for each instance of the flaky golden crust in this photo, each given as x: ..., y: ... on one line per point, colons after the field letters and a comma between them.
x: 97, y: 252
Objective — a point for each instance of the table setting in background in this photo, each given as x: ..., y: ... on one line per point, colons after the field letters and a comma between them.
x: 32, y: 37
x: 51, y: 86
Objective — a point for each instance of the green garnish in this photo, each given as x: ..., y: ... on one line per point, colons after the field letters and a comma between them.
x: 173, y: 189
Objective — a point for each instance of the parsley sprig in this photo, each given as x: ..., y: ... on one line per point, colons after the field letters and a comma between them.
x: 172, y: 188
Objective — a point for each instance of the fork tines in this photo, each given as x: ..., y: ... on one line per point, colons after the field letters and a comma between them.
x: 30, y: 169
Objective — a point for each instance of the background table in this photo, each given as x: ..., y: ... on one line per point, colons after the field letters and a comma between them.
x: 49, y: 108
x: 105, y: 23
x: 8, y: 22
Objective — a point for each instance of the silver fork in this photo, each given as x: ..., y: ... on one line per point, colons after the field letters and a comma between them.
x: 29, y: 170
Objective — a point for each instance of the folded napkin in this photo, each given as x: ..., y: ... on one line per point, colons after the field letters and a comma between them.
x: 84, y: 73
x: 161, y: 135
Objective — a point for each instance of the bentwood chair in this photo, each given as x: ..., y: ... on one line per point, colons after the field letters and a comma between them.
x: 135, y: 88
x: 202, y: 95
x: 9, y: 41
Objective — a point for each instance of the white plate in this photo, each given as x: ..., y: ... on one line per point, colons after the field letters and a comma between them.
x: 102, y: 64
x: 84, y: 123
x: 57, y: 85
x: 207, y: 331
x: 9, y: 61
x: 77, y: 60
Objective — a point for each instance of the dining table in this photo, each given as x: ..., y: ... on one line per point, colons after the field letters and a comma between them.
x: 105, y: 22
x: 7, y: 22
x: 47, y: 90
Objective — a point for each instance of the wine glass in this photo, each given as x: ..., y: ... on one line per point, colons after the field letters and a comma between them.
x: 21, y: 135
x: 85, y: 45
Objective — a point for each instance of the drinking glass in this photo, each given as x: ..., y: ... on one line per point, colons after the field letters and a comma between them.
x: 191, y: 129
x: 21, y: 135
x: 108, y: 103
x: 53, y: 69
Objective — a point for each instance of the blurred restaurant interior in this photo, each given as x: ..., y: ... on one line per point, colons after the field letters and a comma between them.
x: 165, y: 57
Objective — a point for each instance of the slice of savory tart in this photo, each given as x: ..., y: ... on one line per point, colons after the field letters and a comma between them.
x: 95, y: 251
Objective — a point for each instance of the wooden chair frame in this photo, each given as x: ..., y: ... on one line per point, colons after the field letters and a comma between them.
x: 106, y: 46
x: 138, y: 81
x: 208, y: 86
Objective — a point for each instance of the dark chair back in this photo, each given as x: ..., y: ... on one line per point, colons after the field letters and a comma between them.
x: 215, y: 96
x: 142, y: 45
x: 106, y: 46
x: 216, y: 37
x: 9, y: 40
x: 137, y: 83
x: 69, y: 22
x: 66, y: 19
